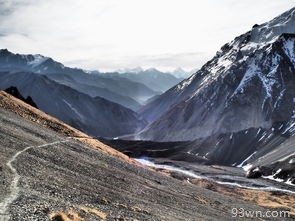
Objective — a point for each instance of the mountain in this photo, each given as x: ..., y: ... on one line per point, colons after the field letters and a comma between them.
x: 238, y: 109
x: 121, y: 86
x: 101, y: 87
x: 180, y: 73
x: 152, y: 78
x: 120, y: 90
x: 94, y: 116
x: 248, y: 84
x: 155, y: 79
x: 76, y: 177
x: 135, y: 70
x: 32, y: 63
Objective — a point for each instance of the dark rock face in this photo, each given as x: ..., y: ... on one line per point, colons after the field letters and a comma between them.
x: 14, y: 92
x: 254, y: 173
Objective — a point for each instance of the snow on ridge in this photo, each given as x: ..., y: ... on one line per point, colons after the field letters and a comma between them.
x: 262, y: 37
x: 289, y: 48
x: 250, y: 73
x: 186, y: 82
x: 269, y: 31
x: 38, y: 59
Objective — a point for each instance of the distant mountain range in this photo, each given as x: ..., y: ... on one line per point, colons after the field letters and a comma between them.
x: 131, y: 89
x: 152, y: 78
x: 178, y: 72
x: 120, y: 90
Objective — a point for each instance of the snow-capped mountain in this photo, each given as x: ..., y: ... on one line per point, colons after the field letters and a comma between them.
x: 34, y: 63
x: 135, y: 70
x: 250, y: 83
x: 94, y: 116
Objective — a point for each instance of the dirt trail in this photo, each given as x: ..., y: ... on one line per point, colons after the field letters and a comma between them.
x: 14, y: 189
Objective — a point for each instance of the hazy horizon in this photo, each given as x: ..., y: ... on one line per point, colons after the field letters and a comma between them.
x: 108, y: 35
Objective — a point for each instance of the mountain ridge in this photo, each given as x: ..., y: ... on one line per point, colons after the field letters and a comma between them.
x: 95, y: 116
x: 123, y: 91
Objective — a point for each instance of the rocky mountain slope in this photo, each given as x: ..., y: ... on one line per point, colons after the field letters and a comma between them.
x: 238, y: 110
x: 120, y: 90
x: 92, y: 87
x: 94, y: 116
x: 248, y: 84
x: 49, y: 176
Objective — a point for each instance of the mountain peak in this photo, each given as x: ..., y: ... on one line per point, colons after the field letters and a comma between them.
x: 37, y: 60
x: 180, y: 73
x: 152, y: 70
x: 4, y: 52
x: 269, y: 31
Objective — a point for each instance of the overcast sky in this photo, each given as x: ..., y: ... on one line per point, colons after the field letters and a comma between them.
x: 112, y: 34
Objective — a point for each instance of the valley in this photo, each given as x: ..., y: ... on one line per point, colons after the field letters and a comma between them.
x: 71, y: 178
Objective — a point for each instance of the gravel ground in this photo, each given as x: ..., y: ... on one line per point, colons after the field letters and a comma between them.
x: 62, y: 179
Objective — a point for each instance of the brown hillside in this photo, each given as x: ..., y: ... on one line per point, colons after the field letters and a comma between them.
x: 28, y: 112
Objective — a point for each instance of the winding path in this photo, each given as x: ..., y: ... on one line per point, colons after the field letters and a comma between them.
x: 14, y: 189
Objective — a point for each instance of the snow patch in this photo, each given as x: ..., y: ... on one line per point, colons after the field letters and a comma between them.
x: 38, y: 59
x: 250, y: 73
x: 270, y: 31
x: 289, y: 48
x: 74, y: 110
x: 288, y: 129
x: 248, y: 158
x: 186, y: 82
x: 247, y: 167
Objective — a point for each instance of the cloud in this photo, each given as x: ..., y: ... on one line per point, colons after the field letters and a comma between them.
x: 108, y: 34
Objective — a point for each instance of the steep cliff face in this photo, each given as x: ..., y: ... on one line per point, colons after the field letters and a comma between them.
x: 248, y: 84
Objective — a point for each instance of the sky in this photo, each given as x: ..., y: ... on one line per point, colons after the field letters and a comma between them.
x: 107, y: 35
